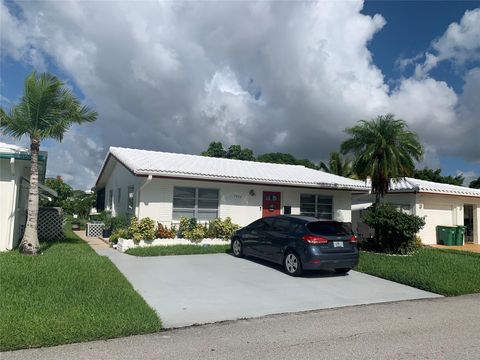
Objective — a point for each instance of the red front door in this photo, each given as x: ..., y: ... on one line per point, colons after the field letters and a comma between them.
x: 271, y: 203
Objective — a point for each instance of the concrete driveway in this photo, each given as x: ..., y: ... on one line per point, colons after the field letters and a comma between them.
x: 198, y: 289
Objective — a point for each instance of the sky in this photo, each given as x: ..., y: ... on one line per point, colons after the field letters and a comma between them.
x: 271, y: 76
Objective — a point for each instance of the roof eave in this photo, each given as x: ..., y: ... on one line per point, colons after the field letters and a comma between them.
x: 251, y: 181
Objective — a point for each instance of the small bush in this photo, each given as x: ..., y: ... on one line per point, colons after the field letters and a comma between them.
x: 224, y: 230
x: 143, y: 229
x: 117, y: 234
x: 164, y: 233
x: 186, y: 225
x: 197, y: 234
x: 117, y: 222
x: 396, y: 230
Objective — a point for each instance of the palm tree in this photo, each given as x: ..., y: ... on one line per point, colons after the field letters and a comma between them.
x: 384, y: 149
x: 337, y: 165
x: 47, y: 110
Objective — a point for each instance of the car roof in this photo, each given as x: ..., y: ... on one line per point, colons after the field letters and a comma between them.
x: 302, y: 218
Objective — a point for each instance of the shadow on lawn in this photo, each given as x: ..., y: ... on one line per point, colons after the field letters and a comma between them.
x: 67, y: 239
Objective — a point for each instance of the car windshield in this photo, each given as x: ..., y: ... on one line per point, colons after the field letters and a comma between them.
x: 328, y: 228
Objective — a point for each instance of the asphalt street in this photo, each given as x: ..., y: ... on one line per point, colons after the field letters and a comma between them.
x: 439, y: 328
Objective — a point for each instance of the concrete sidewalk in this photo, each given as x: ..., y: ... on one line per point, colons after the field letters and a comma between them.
x: 94, y: 242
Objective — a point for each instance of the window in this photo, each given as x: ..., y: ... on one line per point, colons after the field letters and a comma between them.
x: 195, y: 203
x: 110, y: 199
x: 285, y: 225
x: 329, y: 228
x: 119, y: 195
x: 130, y: 198
x: 319, y: 206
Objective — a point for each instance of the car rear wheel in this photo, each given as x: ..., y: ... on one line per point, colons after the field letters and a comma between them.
x: 342, y: 270
x: 237, y: 248
x: 292, y: 264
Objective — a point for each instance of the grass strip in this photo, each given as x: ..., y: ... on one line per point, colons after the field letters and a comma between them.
x: 67, y: 294
x: 178, y: 250
x: 445, y: 272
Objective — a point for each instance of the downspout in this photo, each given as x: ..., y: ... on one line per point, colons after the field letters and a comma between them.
x: 149, y: 179
x: 13, y: 214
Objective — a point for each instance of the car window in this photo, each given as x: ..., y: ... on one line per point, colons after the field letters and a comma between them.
x: 261, y: 224
x: 255, y: 225
x: 285, y: 225
x: 328, y: 228
x: 268, y: 222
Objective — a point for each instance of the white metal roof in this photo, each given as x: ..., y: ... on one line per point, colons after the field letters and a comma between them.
x: 416, y: 185
x: 144, y: 162
x: 12, y: 149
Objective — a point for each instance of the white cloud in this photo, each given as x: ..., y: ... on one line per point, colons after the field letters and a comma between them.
x: 272, y: 76
x: 468, y: 176
x: 460, y: 43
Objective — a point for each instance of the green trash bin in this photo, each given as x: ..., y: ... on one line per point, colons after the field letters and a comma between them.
x: 446, y: 235
x: 459, y: 234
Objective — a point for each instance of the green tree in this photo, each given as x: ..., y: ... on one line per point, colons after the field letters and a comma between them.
x: 215, y: 149
x: 475, y: 184
x: 436, y: 176
x: 62, y: 189
x: 236, y: 152
x: 285, y: 158
x: 383, y: 149
x: 47, y: 109
x: 80, y: 203
x: 337, y: 165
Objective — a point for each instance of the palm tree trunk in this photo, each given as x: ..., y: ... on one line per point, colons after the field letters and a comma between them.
x: 377, y: 229
x: 30, y: 244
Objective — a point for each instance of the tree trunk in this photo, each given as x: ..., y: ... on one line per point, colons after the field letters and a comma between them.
x: 377, y: 229
x: 30, y: 244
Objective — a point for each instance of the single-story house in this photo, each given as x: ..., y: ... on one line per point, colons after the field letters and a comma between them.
x: 14, y: 184
x: 440, y: 204
x: 166, y: 186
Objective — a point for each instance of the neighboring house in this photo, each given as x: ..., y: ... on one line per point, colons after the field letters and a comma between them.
x: 166, y: 186
x: 14, y: 184
x: 440, y: 204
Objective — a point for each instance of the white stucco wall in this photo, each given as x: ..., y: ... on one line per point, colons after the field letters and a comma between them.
x: 437, y: 209
x: 121, y: 178
x: 12, y: 210
x: 444, y: 210
x: 235, y: 200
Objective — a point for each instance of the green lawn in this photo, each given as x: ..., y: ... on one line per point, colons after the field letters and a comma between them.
x: 445, y: 272
x: 178, y: 250
x: 67, y: 294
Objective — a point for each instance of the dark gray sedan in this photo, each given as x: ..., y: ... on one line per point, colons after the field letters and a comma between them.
x: 299, y: 243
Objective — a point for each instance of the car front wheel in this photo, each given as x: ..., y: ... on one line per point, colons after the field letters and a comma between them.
x: 292, y: 264
x: 237, y: 248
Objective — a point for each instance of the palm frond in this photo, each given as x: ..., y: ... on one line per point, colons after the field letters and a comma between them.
x: 47, y: 109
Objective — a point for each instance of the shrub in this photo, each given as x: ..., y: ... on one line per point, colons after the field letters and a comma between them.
x: 143, y: 229
x: 117, y: 222
x: 186, y: 224
x: 196, y: 234
x: 222, y: 229
x: 117, y: 234
x: 396, y: 230
x: 164, y: 233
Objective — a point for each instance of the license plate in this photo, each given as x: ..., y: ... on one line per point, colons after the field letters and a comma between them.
x: 338, y: 244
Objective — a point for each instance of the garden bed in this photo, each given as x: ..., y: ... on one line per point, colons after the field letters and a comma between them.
x: 126, y: 244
